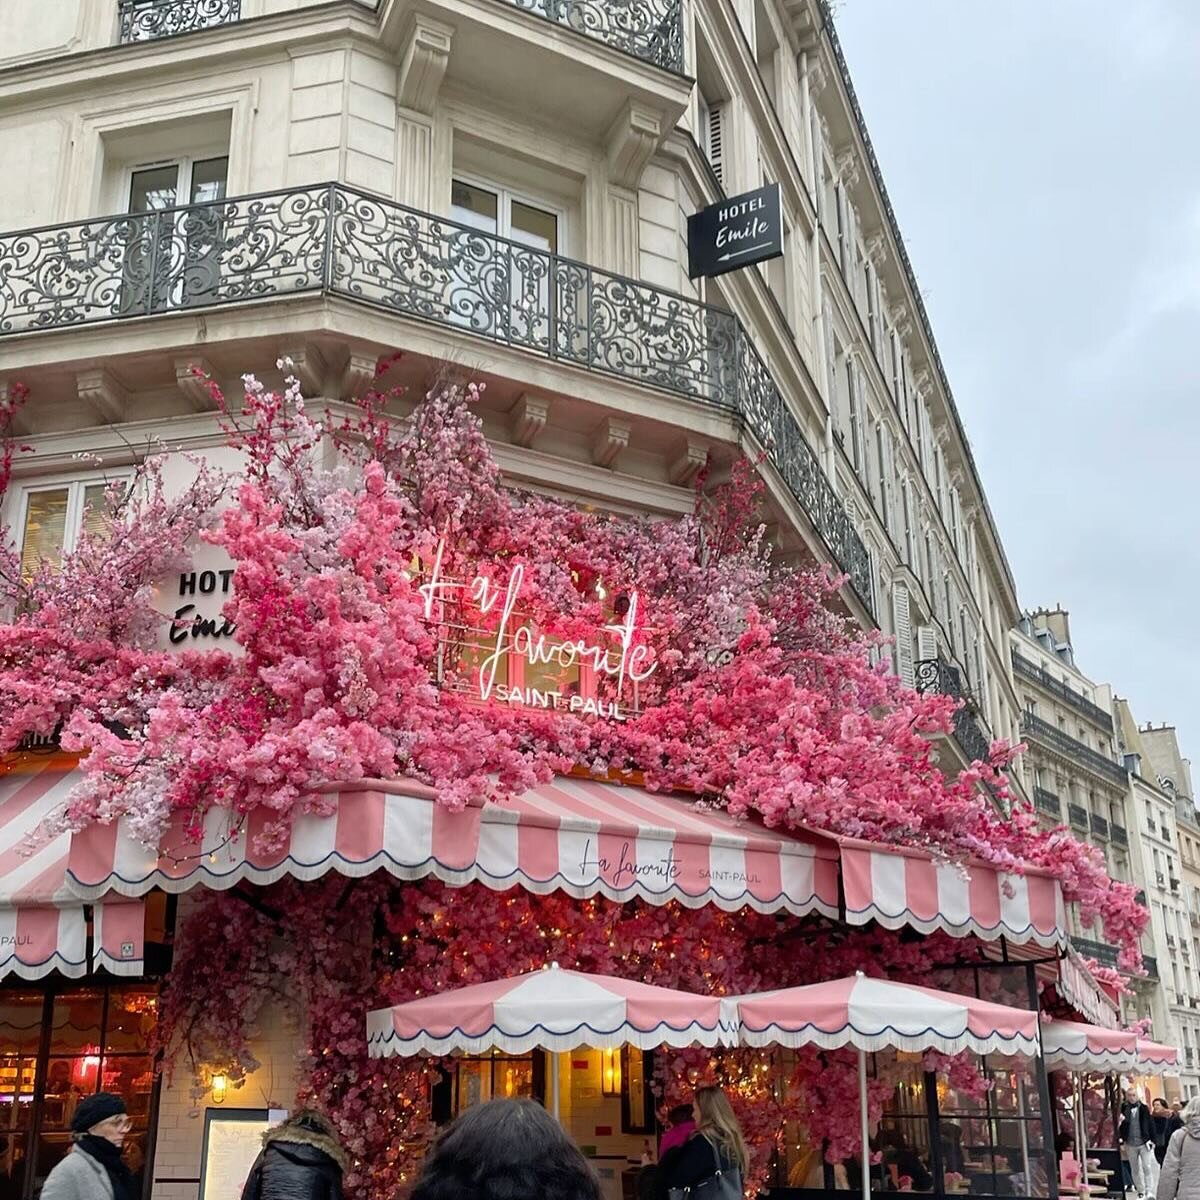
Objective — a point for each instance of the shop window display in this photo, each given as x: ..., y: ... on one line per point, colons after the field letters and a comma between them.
x: 57, y: 1046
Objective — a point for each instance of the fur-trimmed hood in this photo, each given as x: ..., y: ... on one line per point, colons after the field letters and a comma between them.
x: 288, y: 1134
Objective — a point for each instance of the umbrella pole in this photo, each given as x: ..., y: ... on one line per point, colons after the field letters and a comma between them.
x: 554, y: 1086
x: 866, y: 1125
x: 1081, y: 1131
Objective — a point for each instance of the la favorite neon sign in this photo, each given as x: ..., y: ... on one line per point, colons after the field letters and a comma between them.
x: 621, y: 660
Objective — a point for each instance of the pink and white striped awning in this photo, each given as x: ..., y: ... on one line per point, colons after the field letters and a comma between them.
x: 582, y: 837
x: 43, y: 923
x: 1155, y: 1058
x: 1074, y: 1046
x: 900, y: 887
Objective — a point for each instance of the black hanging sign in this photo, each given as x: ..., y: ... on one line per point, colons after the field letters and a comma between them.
x: 736, y: 232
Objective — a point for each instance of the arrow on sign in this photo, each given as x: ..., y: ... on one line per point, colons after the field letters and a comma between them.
x: 739, y: 253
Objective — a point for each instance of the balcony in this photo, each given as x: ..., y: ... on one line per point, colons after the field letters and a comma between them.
x: 1102, y: 952
x: 936, y: 675
x: 651, y: 30
x: 148, y: 20
x: 1028, y: 669
x: 338, y: 242
x: 1120, y: 834
x: 1078, y: 815
x: 1075, y: 751
x: 1099, y: 826
x: 1047, y: 802
x: 1150, y: 963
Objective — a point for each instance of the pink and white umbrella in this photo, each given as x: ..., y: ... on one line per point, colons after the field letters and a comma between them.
x: 552, y: 1010
x: 875, y: 1014
x: 1153, y: 1058
x: 1075, y: 1046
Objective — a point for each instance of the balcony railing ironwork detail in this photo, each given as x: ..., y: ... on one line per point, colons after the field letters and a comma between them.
x: 147, y: 20
x: 335, y: 240
x: 1078, y: 815
x: 1047, y: 802
x: 648, y: 29
x: 1099, y: 826
x: 937, y: 675
x: 1030, y: 670
x: 1119, y: 834
x: 1050, y: 735
x: 1102, y: 952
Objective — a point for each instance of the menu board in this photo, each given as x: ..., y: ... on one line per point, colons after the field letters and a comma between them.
x: 232, y: 1141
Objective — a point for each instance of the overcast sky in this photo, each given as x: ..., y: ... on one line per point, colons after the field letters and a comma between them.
x: 1042, y: 161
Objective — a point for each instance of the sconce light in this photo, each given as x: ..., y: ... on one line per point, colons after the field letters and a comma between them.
x: 610, y: 1072
x: 219, y: 1085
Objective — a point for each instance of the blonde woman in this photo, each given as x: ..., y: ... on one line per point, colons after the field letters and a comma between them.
x: 713, y: 1162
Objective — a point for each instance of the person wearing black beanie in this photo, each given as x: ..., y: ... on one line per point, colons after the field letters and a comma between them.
x: 94, y: 1169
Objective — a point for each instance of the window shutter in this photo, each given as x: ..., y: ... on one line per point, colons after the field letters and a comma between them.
x: 927, y: 645
x: 714, y: 128
x: 902, y: 623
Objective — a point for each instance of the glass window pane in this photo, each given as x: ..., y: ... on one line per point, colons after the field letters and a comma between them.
x: 131, y: 1020
x: 209, y: 178
x: 20, y: 1022
x: 51, y: 1149
x: 68, y: 1080
x: 154, y: 188
x: 96, y: 510
x: 534, y: 227
x: 132, y: 1078
x: 474, y: 206
x: 76, y: 1022
x: 45, y: 529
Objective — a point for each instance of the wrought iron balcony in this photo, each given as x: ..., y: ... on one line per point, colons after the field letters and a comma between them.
x: 648, y: 29
x: 1030, y: 670
x: 1047, y: 802
x: 147, y: 20
x: 1099, y: 826
x: 1078, y: 815
x: 937, y: 675
x: 334, y: 240
x: 1119, y: 834
x: 1102, y: 952
x: 1076, y: 751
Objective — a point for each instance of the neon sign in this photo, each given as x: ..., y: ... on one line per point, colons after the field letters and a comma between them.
x: 622, y: 660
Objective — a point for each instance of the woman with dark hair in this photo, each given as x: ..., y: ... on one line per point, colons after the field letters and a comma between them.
x: 506, y: 1150
x: 300, y: 1160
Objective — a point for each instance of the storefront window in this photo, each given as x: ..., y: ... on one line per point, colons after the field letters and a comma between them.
x: 57, y: 1046
x: 497, y: 1076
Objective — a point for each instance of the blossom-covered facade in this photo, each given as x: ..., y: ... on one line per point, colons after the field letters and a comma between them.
x: 523, y: 532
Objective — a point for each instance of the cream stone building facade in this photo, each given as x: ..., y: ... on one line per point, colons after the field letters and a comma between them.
x: 497, y: 189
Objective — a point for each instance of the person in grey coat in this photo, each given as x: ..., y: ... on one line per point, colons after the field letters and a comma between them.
x: 1179, y: 1178
x: 94, y: 1169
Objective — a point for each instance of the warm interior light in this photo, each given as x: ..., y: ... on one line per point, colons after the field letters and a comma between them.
x: 610, y: 1072
x: 219, y: 1084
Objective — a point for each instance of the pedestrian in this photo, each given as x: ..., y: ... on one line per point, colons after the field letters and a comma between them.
x: 714, y: 1160
x: 505, y: 1150
x: 1165, y: 1121
x: 300, y: 1160
x: 93, y: 1168
x: 1137, y: 1141
x: 682, y: 1126
x: 1180, y: 1175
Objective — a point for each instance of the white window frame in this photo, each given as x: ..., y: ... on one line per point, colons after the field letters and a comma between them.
x: 185, y: 164
x: 76, y: 486
x: 505, y: 195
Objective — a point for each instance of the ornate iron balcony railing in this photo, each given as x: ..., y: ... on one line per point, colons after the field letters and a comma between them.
x: 1047, y: 802
x: 1053, y: 737
x: 146, y: 20
x: 1078, y: 815
x: 332, y: 239
x: 1102, y: 952
x: 648, y: 29
x: 1119, y: 834
x: 1030, y: 670
x: 937, y: 675
x: 1099, y: 826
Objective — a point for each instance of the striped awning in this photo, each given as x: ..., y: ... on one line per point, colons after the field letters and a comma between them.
x: 582, y: 837
x: 43, y: 923
x: 1074, y: 1046
x: 898, y: 887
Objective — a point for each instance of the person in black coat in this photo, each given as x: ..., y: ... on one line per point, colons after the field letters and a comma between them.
x: 717, y: 1145
x: 300, y: 1160
x: 1164, y: 1121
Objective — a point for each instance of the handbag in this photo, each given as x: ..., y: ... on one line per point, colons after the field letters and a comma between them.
x: 721, y: 1185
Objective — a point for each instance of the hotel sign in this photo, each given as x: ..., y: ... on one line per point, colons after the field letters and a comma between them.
x: 735, y: 233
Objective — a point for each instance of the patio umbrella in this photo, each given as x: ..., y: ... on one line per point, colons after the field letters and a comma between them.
x: 875, y: 1014
x: 553, y: 1010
